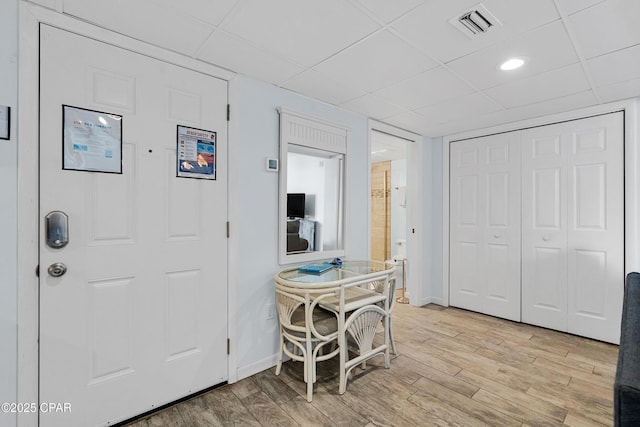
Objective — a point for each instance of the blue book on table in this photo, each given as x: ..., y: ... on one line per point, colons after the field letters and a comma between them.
x: 318, y: 267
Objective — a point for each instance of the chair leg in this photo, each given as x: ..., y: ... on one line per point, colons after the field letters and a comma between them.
x: 279, y: 365
x: 309, y: 391
x: 343, y: 359
x: 393, y: 341
x: 309, y: 370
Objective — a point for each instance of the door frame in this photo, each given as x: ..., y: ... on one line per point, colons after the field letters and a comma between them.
x: 415, y: 270
x: 631, y: 176
x: 30, y: 17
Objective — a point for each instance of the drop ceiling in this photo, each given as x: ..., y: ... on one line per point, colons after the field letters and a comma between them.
x: 402, y: 62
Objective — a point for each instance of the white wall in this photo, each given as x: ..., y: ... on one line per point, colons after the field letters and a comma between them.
x: 305, y: 174
x: 8, y: 203
x: 254, y: 208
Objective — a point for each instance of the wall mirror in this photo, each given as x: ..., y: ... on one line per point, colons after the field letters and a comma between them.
x: 311, y: 209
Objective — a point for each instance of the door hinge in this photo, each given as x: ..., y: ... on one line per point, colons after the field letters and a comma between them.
x: 228, y: 346
x: 37, y: 270
x: 228, y: 232
x: 228, y: 112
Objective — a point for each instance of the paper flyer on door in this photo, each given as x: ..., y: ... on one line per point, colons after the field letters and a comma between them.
x: 196, y: 153
x: 92, y: 140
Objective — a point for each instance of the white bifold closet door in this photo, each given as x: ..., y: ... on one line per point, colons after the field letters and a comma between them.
x: 573, y: 226
x: 485, y: 225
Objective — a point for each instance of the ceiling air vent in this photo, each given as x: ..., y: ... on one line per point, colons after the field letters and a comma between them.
x: 475, y: 21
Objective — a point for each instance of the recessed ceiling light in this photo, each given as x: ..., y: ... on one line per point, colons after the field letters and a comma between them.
x: 512, y: 64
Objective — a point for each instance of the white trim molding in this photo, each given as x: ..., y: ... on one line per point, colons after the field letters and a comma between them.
x: 415, y: 210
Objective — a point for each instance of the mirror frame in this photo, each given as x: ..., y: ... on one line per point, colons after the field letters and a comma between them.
x: 307, y: 131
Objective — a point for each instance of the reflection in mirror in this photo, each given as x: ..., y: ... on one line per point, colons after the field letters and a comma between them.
x: 313, y: 198
x: 312, y: 156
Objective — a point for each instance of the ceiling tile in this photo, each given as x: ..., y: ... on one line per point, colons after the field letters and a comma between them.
x: 615, y: 92
x: 306, y: 32
x: 373, y: 106
x: 174, y: 31
x: 570, y: 7
x: 429, y: 28
x: 546, y: 48
x: 607, y: 26
x: 209, y: 11
x: 410, y: 121
x: 615, y: 67
x: 51, y: 4
x: 550, y: 85
x: 430, y: 87
x: 313, y: 84
x: 376, y: 62
x: 387, y: 10
x: 568, y: 103
x: 459, y: 109
x: 228, y: 51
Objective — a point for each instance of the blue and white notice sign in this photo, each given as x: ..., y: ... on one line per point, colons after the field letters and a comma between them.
x: 92, y: 140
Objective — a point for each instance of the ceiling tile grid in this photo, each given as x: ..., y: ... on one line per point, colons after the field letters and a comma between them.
x: 373, y: 106
x: 606, y: 27
x: 315, y: 85
x: 234, y: 53
x: 550, y: 85
x: 481, y: 68
x: 161, y: 26
x: 428, y: 26
x: 378, y: 61
x: 305, y: 32
x: 427, y: 88
x: 402, y: 61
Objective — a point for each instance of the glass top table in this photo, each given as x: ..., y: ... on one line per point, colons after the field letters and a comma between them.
x: 353, y: 291
x: 335, y: 276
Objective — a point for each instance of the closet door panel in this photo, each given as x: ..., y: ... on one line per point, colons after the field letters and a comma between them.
x: 501, y: 242
x: 573, y: 226
x: 485, y: 225
x: 596, y: 226
x: 544, y: 241
x: 466, y: 266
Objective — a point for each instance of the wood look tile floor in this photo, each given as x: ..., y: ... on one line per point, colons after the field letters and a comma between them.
x: 453, y: 368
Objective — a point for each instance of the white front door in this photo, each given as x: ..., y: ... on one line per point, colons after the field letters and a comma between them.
x: 573, y: 226
x: 140, y: 317
x: 485, y: 225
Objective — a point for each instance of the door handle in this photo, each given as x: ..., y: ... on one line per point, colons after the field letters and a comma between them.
x: 57, y: 269
x: 546, y: 238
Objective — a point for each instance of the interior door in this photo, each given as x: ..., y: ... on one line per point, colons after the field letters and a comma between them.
x: 501, y: 228
x: 485, y: 225
x: 544, y: 228
x: 467, y: 269
x: 573, y: 226
x: 596, y: 227
x: 139, y: 319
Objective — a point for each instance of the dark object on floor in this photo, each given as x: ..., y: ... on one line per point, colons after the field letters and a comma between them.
x: 626, y: 389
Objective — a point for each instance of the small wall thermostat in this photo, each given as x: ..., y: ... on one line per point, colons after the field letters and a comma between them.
x: 272, y: 164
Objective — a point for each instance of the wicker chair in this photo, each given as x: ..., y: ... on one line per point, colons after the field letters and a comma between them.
x: 308, y: 333
x: 361, y: 327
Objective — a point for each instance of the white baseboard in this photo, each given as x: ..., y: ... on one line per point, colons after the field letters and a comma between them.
x: 429, y: 300
x: 259, y: 366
